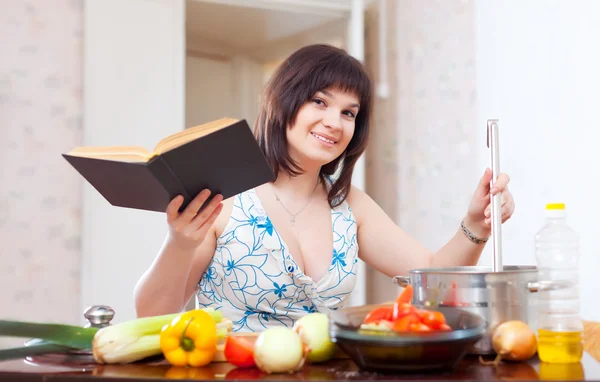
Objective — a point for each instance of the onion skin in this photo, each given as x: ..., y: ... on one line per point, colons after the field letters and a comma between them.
x: 514, y: 341
x: 314, y: 332
x: 279, y: 350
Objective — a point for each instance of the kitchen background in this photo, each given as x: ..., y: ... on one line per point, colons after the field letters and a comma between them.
x: 111, y: 72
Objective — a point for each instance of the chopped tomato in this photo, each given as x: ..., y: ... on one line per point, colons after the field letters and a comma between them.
x: 433, y: 319
x: 378, y: 314
x: 402, y: 309
x: 402, y: 316
x: 445, y: 327
x: 404, y: 323
x: 420, y: 327
x: 239, y: 351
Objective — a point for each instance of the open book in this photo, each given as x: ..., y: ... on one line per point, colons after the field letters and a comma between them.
x: 221, y: 155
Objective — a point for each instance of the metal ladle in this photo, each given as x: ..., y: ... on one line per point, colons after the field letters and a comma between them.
x: 496, y: 200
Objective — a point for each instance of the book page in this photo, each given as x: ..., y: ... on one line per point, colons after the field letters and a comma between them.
x: 133, y: 154
x: 192, y: 133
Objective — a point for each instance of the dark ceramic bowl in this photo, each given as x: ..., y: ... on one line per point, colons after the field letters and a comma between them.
x: 392, y: 352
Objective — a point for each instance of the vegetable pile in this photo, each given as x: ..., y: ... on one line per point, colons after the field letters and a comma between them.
x: 199, y: 337
x: 189, y: 339
x: 402, y: 316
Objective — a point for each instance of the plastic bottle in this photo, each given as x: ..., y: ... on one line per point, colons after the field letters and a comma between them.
x: 559, y: 323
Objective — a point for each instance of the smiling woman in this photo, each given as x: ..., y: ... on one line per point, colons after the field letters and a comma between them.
x: 270, y: 255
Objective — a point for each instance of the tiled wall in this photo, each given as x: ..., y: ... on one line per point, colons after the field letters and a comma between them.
x: 40, y: 118
x: 421, y: 159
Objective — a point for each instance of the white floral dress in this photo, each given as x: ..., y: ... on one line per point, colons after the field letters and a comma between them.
x: 254, y: 280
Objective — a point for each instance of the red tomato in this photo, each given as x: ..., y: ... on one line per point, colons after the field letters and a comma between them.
x: 445, y: 327
x: 378, y: 314
x: 403, y: 309
x: 419, y: 327
x: 433, y: 319
x: 404, y: 323
x: 239, y: 351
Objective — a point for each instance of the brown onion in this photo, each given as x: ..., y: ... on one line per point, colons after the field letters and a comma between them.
x: 514, y: 340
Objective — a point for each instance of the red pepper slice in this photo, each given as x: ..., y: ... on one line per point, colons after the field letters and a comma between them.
x: 402, y: 302
x: 378, y: 314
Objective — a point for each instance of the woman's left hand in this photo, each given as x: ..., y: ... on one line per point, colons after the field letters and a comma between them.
x: 478, y: 218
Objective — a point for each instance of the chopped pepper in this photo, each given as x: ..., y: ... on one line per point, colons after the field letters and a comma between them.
x: 190, y: 339
x: 403, y: 303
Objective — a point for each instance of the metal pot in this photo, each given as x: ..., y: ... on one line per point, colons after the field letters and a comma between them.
x: 496, y: 296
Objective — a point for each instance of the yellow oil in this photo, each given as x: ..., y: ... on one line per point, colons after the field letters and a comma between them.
x: 559, y: 347
x: 561, y: 371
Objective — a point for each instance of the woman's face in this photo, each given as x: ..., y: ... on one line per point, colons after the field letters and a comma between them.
x: 323, y: 128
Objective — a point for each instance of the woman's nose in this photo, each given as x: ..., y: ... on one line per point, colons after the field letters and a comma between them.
x: 332, y: 120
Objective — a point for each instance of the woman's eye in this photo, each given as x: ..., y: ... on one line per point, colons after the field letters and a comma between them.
x: 318, y: 101
x: 349, y: 114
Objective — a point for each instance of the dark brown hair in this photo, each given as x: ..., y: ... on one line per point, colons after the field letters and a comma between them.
x: 298, y: 78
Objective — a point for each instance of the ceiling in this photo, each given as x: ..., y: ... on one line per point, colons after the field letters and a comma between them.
x: 236, y: 26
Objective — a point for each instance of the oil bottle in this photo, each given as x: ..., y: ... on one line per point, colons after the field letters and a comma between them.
x: 559, y: 324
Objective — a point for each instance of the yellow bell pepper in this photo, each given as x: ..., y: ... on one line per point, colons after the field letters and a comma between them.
x: 190, y: 339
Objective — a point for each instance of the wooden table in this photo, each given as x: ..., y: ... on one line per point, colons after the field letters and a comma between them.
x: 61, y: 368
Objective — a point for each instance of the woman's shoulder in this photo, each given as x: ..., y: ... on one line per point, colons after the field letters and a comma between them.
x: 360, y: 203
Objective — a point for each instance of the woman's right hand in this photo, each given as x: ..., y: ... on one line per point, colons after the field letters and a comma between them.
x: 189, y: 228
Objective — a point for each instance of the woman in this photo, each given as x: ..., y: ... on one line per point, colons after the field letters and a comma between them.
x: 272, y: 254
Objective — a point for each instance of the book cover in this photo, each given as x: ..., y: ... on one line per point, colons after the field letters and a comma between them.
x: 226, y: 160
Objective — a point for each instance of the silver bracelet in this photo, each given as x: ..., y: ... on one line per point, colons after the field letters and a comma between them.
x: 470, y: 235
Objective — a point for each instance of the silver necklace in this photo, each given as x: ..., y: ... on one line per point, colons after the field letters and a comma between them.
x: 292, y: 215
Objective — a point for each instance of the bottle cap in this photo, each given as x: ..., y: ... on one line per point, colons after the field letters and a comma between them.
x: 555, y: 210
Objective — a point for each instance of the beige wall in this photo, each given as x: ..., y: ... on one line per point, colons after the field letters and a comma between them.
x: 40, y: 118
x: 421, y: 162
x: 422, y: 139
x: 208, y: 89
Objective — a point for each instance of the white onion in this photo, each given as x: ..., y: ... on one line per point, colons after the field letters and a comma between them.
x: 314, y: 331
x: 279, y: 350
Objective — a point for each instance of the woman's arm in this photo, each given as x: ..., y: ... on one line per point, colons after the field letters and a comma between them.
x: 387, y: 248
x: 168, y: 284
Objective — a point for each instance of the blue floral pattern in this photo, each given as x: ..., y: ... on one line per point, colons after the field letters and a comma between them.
x: 254, y: 280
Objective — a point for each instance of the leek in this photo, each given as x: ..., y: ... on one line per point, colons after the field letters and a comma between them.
x: 66, y: 335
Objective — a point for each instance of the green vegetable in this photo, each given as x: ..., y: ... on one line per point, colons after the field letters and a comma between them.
x: 124, y: 342
x: 66, y: 335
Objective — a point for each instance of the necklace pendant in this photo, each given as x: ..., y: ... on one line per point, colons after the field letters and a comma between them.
x: 293, y: 220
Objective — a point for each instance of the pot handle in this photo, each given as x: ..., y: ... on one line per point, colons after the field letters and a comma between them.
x: 402, y: 281
x: 543, y: 286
